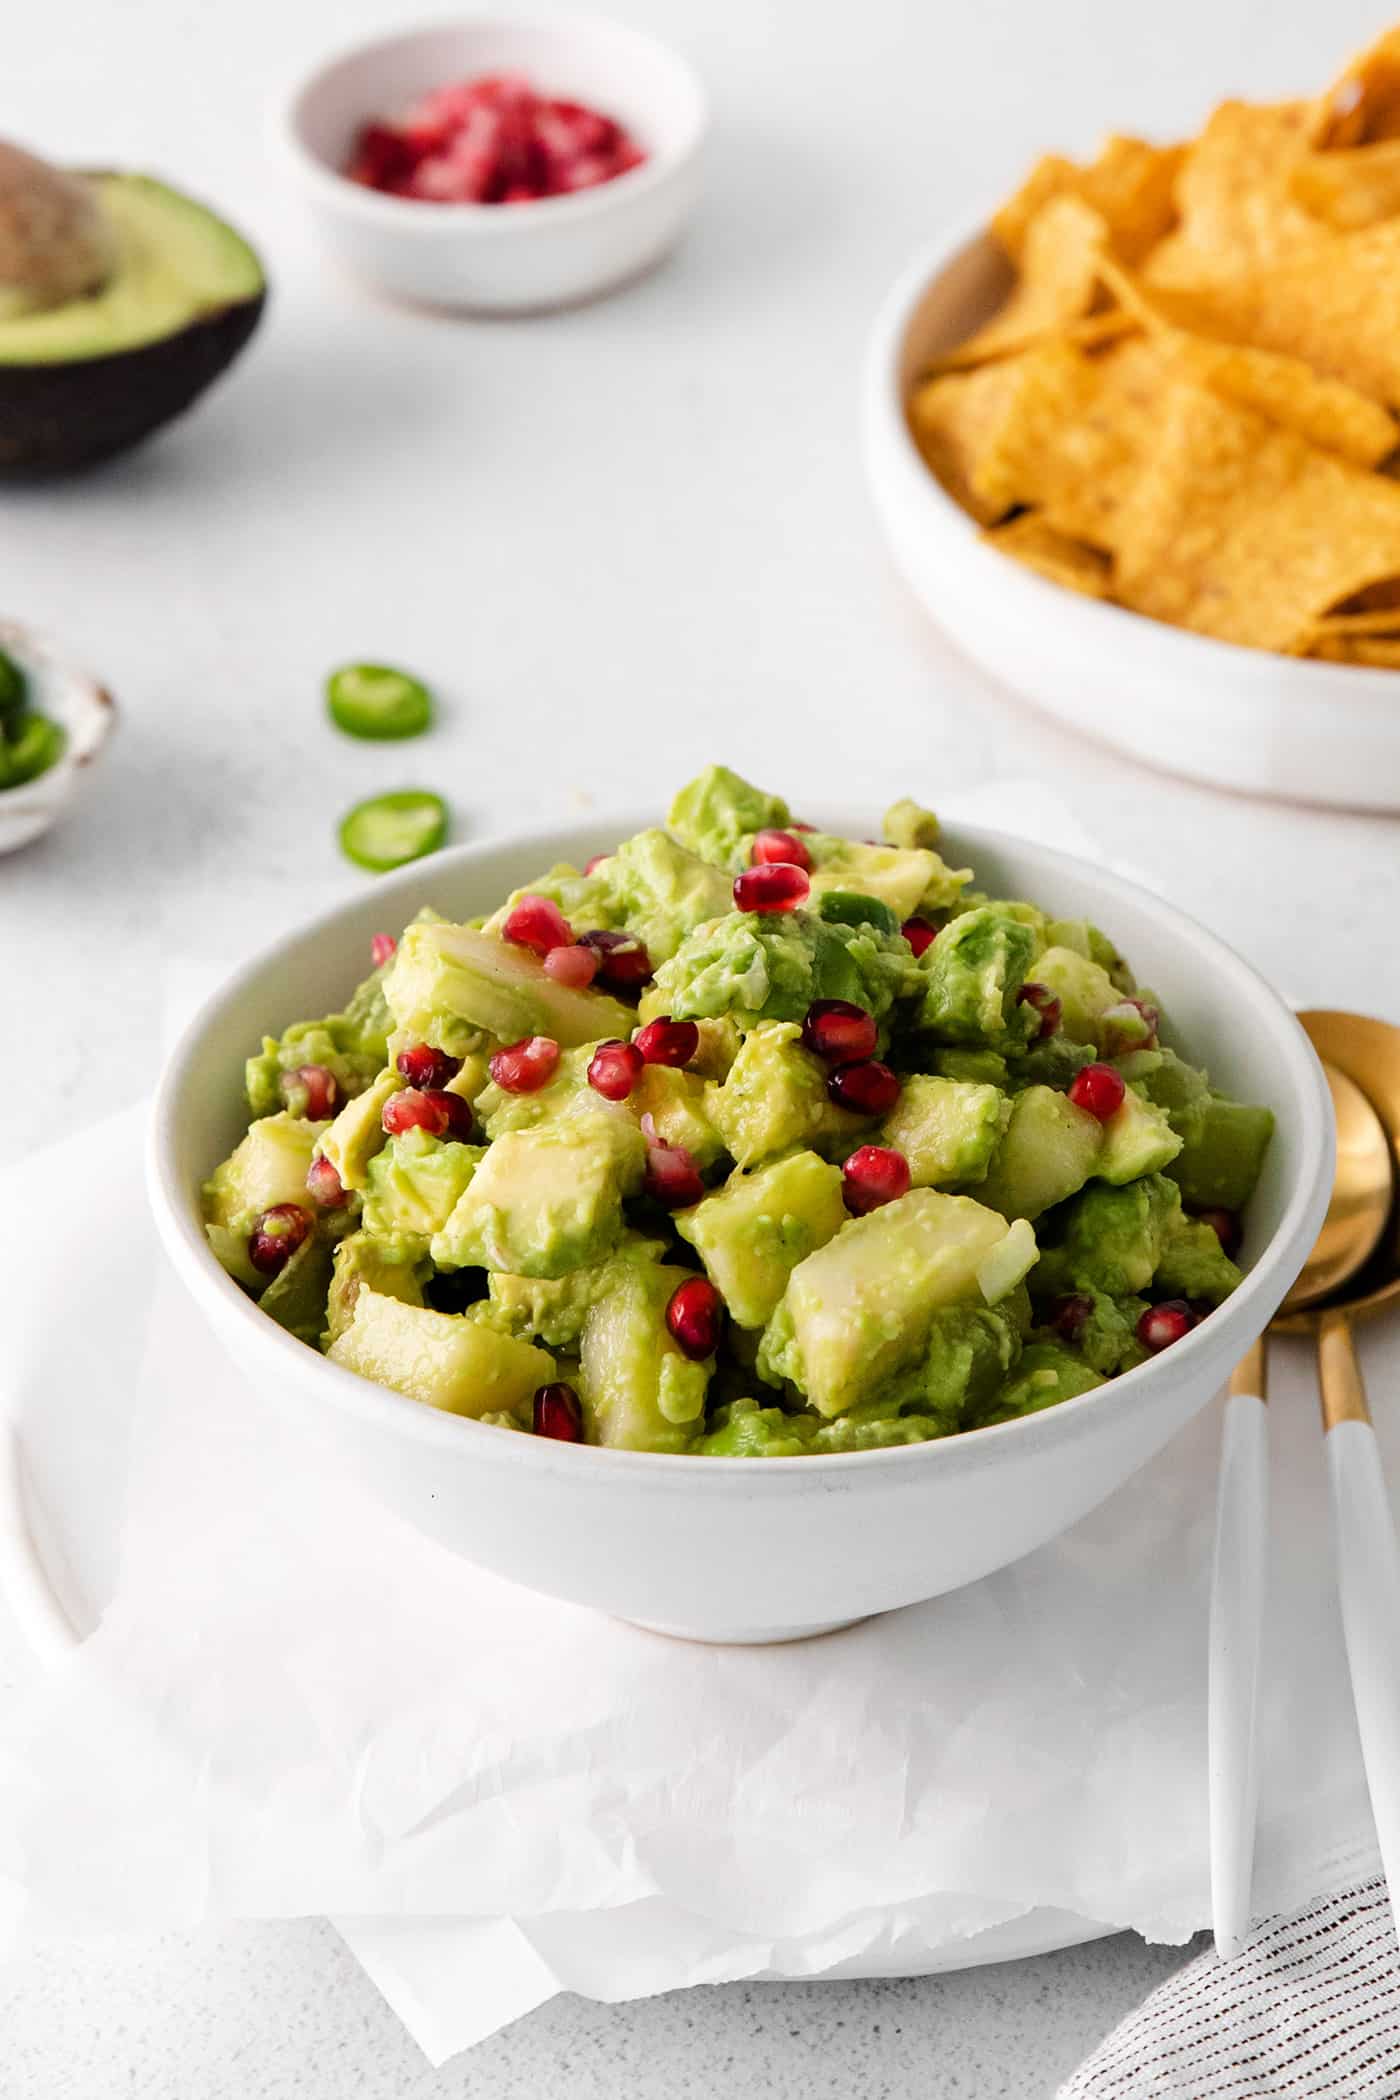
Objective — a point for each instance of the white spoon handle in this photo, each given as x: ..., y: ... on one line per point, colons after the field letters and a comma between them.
x: 1236, y: 1631
x: 1368, y: 1583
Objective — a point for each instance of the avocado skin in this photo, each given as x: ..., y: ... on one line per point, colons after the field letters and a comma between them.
x: 55, y: 418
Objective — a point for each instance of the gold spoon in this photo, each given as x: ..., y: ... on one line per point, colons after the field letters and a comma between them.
x: 1353, y: 1271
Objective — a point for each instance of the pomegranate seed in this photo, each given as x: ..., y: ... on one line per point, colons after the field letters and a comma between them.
x: 776, y: 886
x: 591, y: 867
x: 382, y: 949
x: 695, y: 1316
x: 1100, y: 1089
x: 1070, y: 1316
x: 526, y: 1066
x: 1130, y: 1025
x: 276, y: 1236
x: 795, y: 826
x: 1046, y: 1005
x: 311, y: 1091
x: 1161, y: 1325
x: 1225, y: 1224
x: 557, y: 1413
x: 841, y: 1033
x: 430, y: 1109
x: 421, y: 1065
x: 870, y: 1088
x: 874, y: 1174
x: 624, y: 964
x: 672, y: 1177
x: 324, y: 1185
x: 919, y: 934
x: 667, y: 1042
x: 614, y: 1069
x: 779, y: 848
x: 576, y: 966
x: 537, y: 923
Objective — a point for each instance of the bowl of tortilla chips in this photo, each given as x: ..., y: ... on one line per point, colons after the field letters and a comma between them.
x: 1134, y: 441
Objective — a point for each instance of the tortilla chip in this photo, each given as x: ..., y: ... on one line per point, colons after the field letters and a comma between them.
x: 956, y: 420
x: 1358, y: 625
x: 1350, y: 190
x: 1131, y: 186
x: 1078, y: 454
x: 1234, y: 195
x: 1248, y: 533
x: 1378, y: 654
x: 1057, y: 283
x: 1364, y: 104
x: 1337, y: 308
x: 1053, y: 554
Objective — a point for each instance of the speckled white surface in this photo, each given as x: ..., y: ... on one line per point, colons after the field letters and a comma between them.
x: 619, y: 542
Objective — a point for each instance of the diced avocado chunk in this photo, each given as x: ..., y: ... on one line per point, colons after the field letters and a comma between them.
x: 1049, y: 1151
x: 972, y: 974
x: 414, y: 1183
x: 752, y: 1233
x: 1106, y: 1337
x: 1053, y: 1062
x: 351, y: 1045
x: 567, y: 1096
x: 860, y: 1309
x: 676, y: 1103
x: 544, y: 1201
x: 362, y: 1263
x: 448, y: 983
x: 775, y: 1097
x: 908, y: 824
x: 661, y: 892
x: 1085, y: 991
x: 1161, y: 1076
x: 904, y: 878
x: 296, y: 1296
x: 973, y: 1067
x: 1195, y: 1265
x: 747, y: 1429
x: 770, y: 966
x: 552, y: 1310
x: 1112, y: 1238
x: 947, y: 1129
x: 267, y: 1168
x: 639, y: 1391
x: 446, y: 1360
x: 1137, y: 1139
x: 969, y: 1351
x: 717, y: 813
x: 856, y: 908
x: 1046, y: 1374
x: 1223, y: 1154
x: 358, y: 1132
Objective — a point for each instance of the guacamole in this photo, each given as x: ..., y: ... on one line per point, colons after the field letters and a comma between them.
x: 746, y: 1140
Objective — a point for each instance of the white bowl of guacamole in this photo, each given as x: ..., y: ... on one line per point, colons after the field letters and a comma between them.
x: 779, y: 1220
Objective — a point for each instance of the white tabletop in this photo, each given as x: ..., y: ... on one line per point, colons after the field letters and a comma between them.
x: 618, y: 542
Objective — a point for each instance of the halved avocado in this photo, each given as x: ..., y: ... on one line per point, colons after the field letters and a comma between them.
x: 82, y: 377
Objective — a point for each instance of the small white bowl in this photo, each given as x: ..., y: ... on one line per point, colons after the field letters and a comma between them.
x: 86, y: 712
x: 1237, y: 718
x: 499, y: 258
x: 748, y: 1549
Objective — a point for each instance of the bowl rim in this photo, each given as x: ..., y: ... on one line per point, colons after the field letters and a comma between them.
x: 1226, y: 1334
x: 83, y: 708
x: 889, y: 440
x: 415, y: 216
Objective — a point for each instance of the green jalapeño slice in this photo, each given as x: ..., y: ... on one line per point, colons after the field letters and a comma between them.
x: 375, y: 700
x: 390, y: 830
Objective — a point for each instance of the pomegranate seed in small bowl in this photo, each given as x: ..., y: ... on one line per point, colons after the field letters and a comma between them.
x: 524, y: 1067
x: 575, y: 966
x: 382, y: 949
x: 614, y: 1069
x: 839, y: 1032
x: 1100, y: 1089
x: 623, y: 962
x: 771, y: 847
x: 324, y: 1185
x: 557, y: 1413
x: 695, y: 1317
x: 423, y: 1066
x: 276, y: 1236
x: 919, y: 934
x: 311, y: 1091
x: 1046, y: 1005
x: 776, y: 886
x: 874, y: 1175
x: 1161, y: 1325
x: 870, y: 1088
x: 667, y: 1042
x: 538, y: 924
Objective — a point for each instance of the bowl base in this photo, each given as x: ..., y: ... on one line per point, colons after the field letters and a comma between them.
x: 759, y: 1637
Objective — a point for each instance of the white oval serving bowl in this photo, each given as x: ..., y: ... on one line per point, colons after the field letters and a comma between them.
x: 86, y: 712
x: 501, y: 258
x: 749, y: 1549
x: 1236, y: 718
